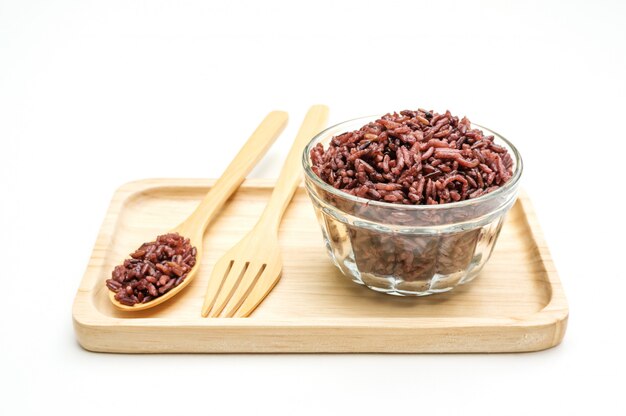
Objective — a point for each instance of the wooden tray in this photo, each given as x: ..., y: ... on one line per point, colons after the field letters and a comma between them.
x: 515, y: 304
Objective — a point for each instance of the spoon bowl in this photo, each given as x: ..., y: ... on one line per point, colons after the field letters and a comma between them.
x: 195, y: 241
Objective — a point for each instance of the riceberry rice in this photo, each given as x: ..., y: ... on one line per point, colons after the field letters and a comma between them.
x: 154, y: 269
x: 414, y: 157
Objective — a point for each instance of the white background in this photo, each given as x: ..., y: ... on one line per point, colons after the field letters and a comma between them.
x: 95, y: 94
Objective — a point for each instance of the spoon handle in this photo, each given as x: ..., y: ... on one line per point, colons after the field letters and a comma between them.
x: 291, y: 173
x: 251, y: 152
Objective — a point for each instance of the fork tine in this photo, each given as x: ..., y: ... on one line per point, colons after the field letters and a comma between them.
x: 228, y: 287
x: 218, y: 274
x: 263, y: 286
x: 255, y: 270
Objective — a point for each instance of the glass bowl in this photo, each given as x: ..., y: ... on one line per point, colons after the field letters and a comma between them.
x: 408, y: 250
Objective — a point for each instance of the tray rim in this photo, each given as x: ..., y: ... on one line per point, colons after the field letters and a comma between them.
x: 88, y: 319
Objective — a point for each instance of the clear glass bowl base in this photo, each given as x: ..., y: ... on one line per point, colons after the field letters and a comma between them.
x: 439, y: 270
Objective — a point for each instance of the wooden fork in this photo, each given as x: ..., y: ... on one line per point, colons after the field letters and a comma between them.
x: 242, y: 278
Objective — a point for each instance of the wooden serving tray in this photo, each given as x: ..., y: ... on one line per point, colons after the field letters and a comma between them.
x: 515, y: 304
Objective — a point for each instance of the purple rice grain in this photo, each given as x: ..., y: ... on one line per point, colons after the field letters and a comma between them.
x: 154, y: 269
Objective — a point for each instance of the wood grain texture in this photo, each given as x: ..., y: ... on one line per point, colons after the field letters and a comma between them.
x: 516, y: 303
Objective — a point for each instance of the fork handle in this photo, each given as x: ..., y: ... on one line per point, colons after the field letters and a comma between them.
x: 291, y: 173
x: 251, y: 152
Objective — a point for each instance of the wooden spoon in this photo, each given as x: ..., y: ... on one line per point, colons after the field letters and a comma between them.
x: 195, y: 225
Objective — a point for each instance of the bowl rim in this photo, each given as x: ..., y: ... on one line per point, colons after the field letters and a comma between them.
x: 511, y: 184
